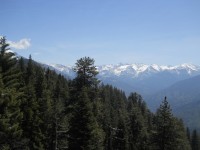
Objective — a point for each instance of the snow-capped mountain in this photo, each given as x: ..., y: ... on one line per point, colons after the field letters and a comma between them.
x: 137, y: 70
x: 133, y: 70
x: 142, y: 78
x: 65, y: 70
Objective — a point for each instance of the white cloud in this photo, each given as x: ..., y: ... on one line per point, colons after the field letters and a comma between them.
x: 22, y: 44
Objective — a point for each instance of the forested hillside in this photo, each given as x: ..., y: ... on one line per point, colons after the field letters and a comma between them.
x: 184, y: 99
x: 41, y: 110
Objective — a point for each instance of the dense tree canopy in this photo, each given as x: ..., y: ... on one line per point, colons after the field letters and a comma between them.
x: 40, y: 109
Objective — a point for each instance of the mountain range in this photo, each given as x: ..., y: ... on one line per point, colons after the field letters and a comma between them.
x: 141, y: 78
x: 179, y: 83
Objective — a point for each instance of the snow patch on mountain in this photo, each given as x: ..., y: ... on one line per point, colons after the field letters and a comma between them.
x: 139, y: 69
x: 141, y: 78
x: 133, y: 71
x: 64, y: 70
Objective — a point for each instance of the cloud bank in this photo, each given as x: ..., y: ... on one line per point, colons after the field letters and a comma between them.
x: 22, y: 44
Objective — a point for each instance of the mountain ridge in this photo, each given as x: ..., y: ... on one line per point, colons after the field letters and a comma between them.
x: 184, y: 98
x: 134, y: 69
x: 141, y: 78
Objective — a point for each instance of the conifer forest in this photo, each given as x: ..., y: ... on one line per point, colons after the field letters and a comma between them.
x: 43, y: 110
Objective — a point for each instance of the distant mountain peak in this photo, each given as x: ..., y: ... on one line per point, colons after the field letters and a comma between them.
x: 138, y: 69
x: 135, y: 70
x: 142, y: 78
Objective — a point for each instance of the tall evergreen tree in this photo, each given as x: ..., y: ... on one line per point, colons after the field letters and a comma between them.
x: 86, y: 73
x: 170, y: 133
x: 44, y: 105
x: 137, y: 126
x: 10, y: 100
x: 59, y: 114
x: 84, y: 133
x: 32, y: 116
x: 165, y: 126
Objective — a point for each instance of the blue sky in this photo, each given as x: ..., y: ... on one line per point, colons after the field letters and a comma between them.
x: 165, y: 32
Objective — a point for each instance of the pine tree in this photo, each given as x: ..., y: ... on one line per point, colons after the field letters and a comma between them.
x: 44, y: 105
x: 84, y: 133
x: 86, y: 73
x: 120, y: 135
x: 113, y: 117
x: 10, y: 119
x: 137, y: 125
x: 170, y: 133
x: 105, y: 116
x: 165, y: 126
x: 32, y: 116
x: 10, y: 100
x: 60, y: 116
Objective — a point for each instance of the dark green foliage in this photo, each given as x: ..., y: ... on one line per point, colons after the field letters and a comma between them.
x: 112, y: 117
x: 10, y: 118
x: 10, y: 100
x: 42, y: 110
x: 86, y: 73
x: 170, y: 133
x: 84, y: 132
x: 137, y: 122
x: 31, y: 121
x: 164, y: 126
x: 60, y: 116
